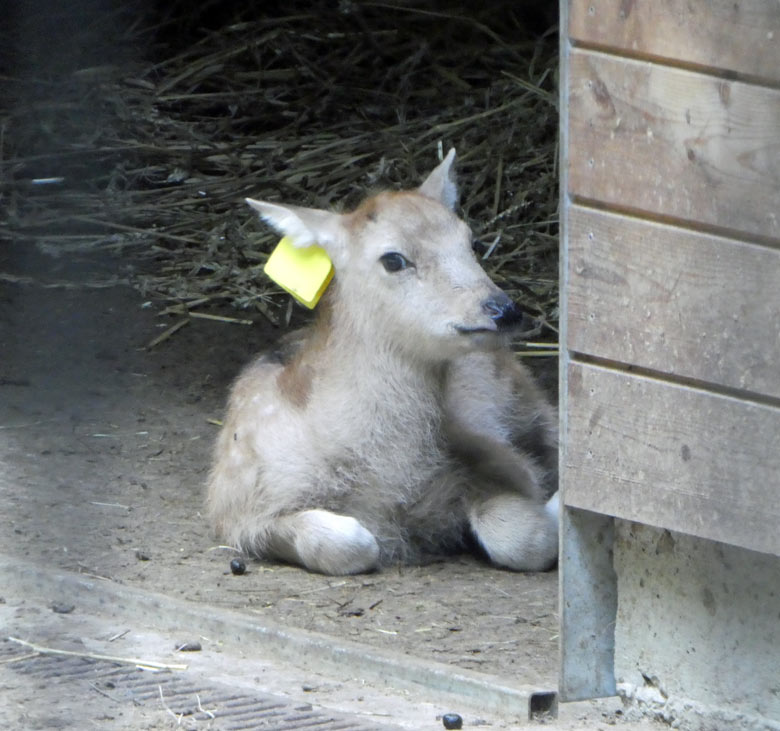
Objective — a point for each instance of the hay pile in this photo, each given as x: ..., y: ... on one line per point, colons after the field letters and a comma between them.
x: 312, y: 103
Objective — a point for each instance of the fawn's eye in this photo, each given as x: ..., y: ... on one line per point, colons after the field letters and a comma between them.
x: 394, y: 262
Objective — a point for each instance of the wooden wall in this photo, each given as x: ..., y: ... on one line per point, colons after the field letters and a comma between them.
x: 670, y: 384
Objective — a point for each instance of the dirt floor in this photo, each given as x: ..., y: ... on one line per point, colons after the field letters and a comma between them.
x: 105, y: 448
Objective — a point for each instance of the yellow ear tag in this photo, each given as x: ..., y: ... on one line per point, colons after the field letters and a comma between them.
x: 303, y: 272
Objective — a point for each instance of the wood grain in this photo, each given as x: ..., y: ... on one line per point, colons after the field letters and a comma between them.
x: 674, y: 143
x: 672, y: 457
x: 743, y: 37
x: 673, y: 300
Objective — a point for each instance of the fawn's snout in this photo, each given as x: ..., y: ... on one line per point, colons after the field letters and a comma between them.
x: 503, y: 314
x: 502, y: 311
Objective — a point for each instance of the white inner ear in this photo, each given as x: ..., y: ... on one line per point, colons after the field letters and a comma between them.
x: 304, y: 226
x: 440, y: 184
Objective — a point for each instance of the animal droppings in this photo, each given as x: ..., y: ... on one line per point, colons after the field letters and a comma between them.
x: 62, y: 607
x: 237, y: 566
x: 452, y: 720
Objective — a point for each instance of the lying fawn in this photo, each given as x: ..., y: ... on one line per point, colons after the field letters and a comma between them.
x: 401, y: 425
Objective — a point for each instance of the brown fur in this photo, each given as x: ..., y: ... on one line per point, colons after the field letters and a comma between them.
x: 295, y: 382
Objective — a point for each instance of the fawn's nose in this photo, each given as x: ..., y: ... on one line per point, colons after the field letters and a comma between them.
x: 503, y: 311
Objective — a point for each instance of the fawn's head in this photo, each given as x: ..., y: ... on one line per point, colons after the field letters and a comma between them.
x: 406, y: 275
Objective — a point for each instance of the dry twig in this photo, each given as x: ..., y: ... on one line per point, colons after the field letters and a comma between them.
x: 146, y: 664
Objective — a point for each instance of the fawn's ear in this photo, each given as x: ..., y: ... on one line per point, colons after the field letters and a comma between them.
x: 440, y: 184
x: 306, y: 226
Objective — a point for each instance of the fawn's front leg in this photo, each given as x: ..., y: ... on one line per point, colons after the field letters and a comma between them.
x: 324, y: 542
x: 516, y: 532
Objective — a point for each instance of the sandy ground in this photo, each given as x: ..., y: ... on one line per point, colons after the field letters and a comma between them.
x: 104, y: 447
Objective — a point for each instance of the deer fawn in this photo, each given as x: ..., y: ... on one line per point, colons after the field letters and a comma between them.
x: 401, y: 425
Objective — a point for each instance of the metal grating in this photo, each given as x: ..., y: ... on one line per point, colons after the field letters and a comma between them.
x: 231, y: 711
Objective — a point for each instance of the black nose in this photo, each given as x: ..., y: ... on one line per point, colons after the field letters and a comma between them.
x: 502, y: 311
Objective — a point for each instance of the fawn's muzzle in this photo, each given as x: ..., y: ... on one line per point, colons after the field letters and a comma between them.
x: 503, y: 311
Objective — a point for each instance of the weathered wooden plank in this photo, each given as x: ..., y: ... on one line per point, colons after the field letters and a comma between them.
x: 674, y: 143
x: 673, y: 457
x: 673, y: 300
x: 743, y: 37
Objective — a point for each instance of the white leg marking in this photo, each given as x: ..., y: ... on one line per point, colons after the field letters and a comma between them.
x: 334, y: 544
x: 516, y: 532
